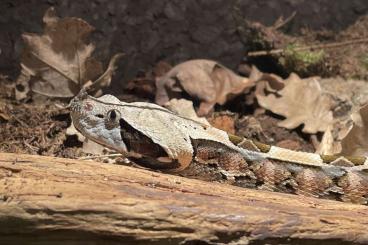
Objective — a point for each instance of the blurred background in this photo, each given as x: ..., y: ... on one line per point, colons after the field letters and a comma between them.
x: 173, y: 31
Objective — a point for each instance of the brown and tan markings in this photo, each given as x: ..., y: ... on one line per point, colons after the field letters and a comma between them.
x: 182, y: 146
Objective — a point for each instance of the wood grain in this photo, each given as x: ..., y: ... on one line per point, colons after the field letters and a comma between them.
x: 45, y: 199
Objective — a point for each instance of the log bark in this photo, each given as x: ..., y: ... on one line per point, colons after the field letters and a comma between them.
x: 54, y: 200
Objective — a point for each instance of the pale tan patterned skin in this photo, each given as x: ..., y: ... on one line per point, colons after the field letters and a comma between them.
x: 195, y: 150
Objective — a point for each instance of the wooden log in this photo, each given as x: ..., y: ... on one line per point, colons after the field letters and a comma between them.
x: 54, y: 200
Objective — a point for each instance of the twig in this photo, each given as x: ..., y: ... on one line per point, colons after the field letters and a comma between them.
x: 311, y: 47
x: 31, y: 147
x: 100, y: 156
x: 280, y: 23
x: 19, y: 121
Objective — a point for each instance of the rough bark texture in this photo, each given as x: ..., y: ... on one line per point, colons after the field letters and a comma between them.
x: 45, y: 199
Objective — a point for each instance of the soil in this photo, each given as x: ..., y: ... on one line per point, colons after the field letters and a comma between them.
x: 173, y: 31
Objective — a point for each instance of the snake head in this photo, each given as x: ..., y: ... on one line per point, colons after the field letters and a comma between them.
x: 98, y: 119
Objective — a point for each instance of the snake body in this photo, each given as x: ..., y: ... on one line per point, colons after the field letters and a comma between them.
x: 160, y: 139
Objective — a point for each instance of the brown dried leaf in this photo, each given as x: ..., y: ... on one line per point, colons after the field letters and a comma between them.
x: 290, y: 144
x: 161, y: 68
x: 223, y: 121
x: 105, y: 79
x: 92, y: 147
x: 144, y: 86
x: 58, y: 62
x: 185, y: 109
x: 334, y: 134
x: 328, y: 144
x: 274, y: 82
x: 265, y: 83
x: 356, y: 141
x: 205, y: 80
x: 88, y: 145
x: 301, y: 102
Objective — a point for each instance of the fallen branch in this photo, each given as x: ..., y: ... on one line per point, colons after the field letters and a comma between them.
x: 47, y: 199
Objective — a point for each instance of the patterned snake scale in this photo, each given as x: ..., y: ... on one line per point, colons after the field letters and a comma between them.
x: 160, y: 139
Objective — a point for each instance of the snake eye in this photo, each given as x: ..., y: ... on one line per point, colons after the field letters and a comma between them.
x: 112, y: 114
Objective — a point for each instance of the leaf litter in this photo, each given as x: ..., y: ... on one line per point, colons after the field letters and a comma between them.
x: 59, y: 62
x: 209, y: 82
x: 60, y: 67
x: 301, y: 102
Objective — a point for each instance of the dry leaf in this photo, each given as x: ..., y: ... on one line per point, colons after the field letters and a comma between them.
x: 205, y: 80
x: 92, y: 147
x: 290, y: 144
x: 224, y: 121
x: 88, y: 145
x: 4, y: 114
x: 356, y: 141
x: 328, y: 144
x: 184, y: 108
x: 58, y: 62
x: 274, y: 82
x: 4, y: 117
x: 144, y: 86
x: 264, y: 82
x: 301, y: 102
x: 105, y: 79
x: 334, y: 134
x: 71, y: 130
x: 161, y: 68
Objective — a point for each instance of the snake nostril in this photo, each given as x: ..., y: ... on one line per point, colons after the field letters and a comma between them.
x: 99, y: 116
x: 88, y: 106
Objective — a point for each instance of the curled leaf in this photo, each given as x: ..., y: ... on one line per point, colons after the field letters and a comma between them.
x: 58, y: 62
x: 265, y: 83
x: 205, y: 80
x: 105, y: 79
x: 184, y: 108
x: 274, y: 82
x: 356, y: 141
x: 301, y: 101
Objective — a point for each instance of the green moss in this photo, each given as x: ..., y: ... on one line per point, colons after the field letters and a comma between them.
x: 301, y: 61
